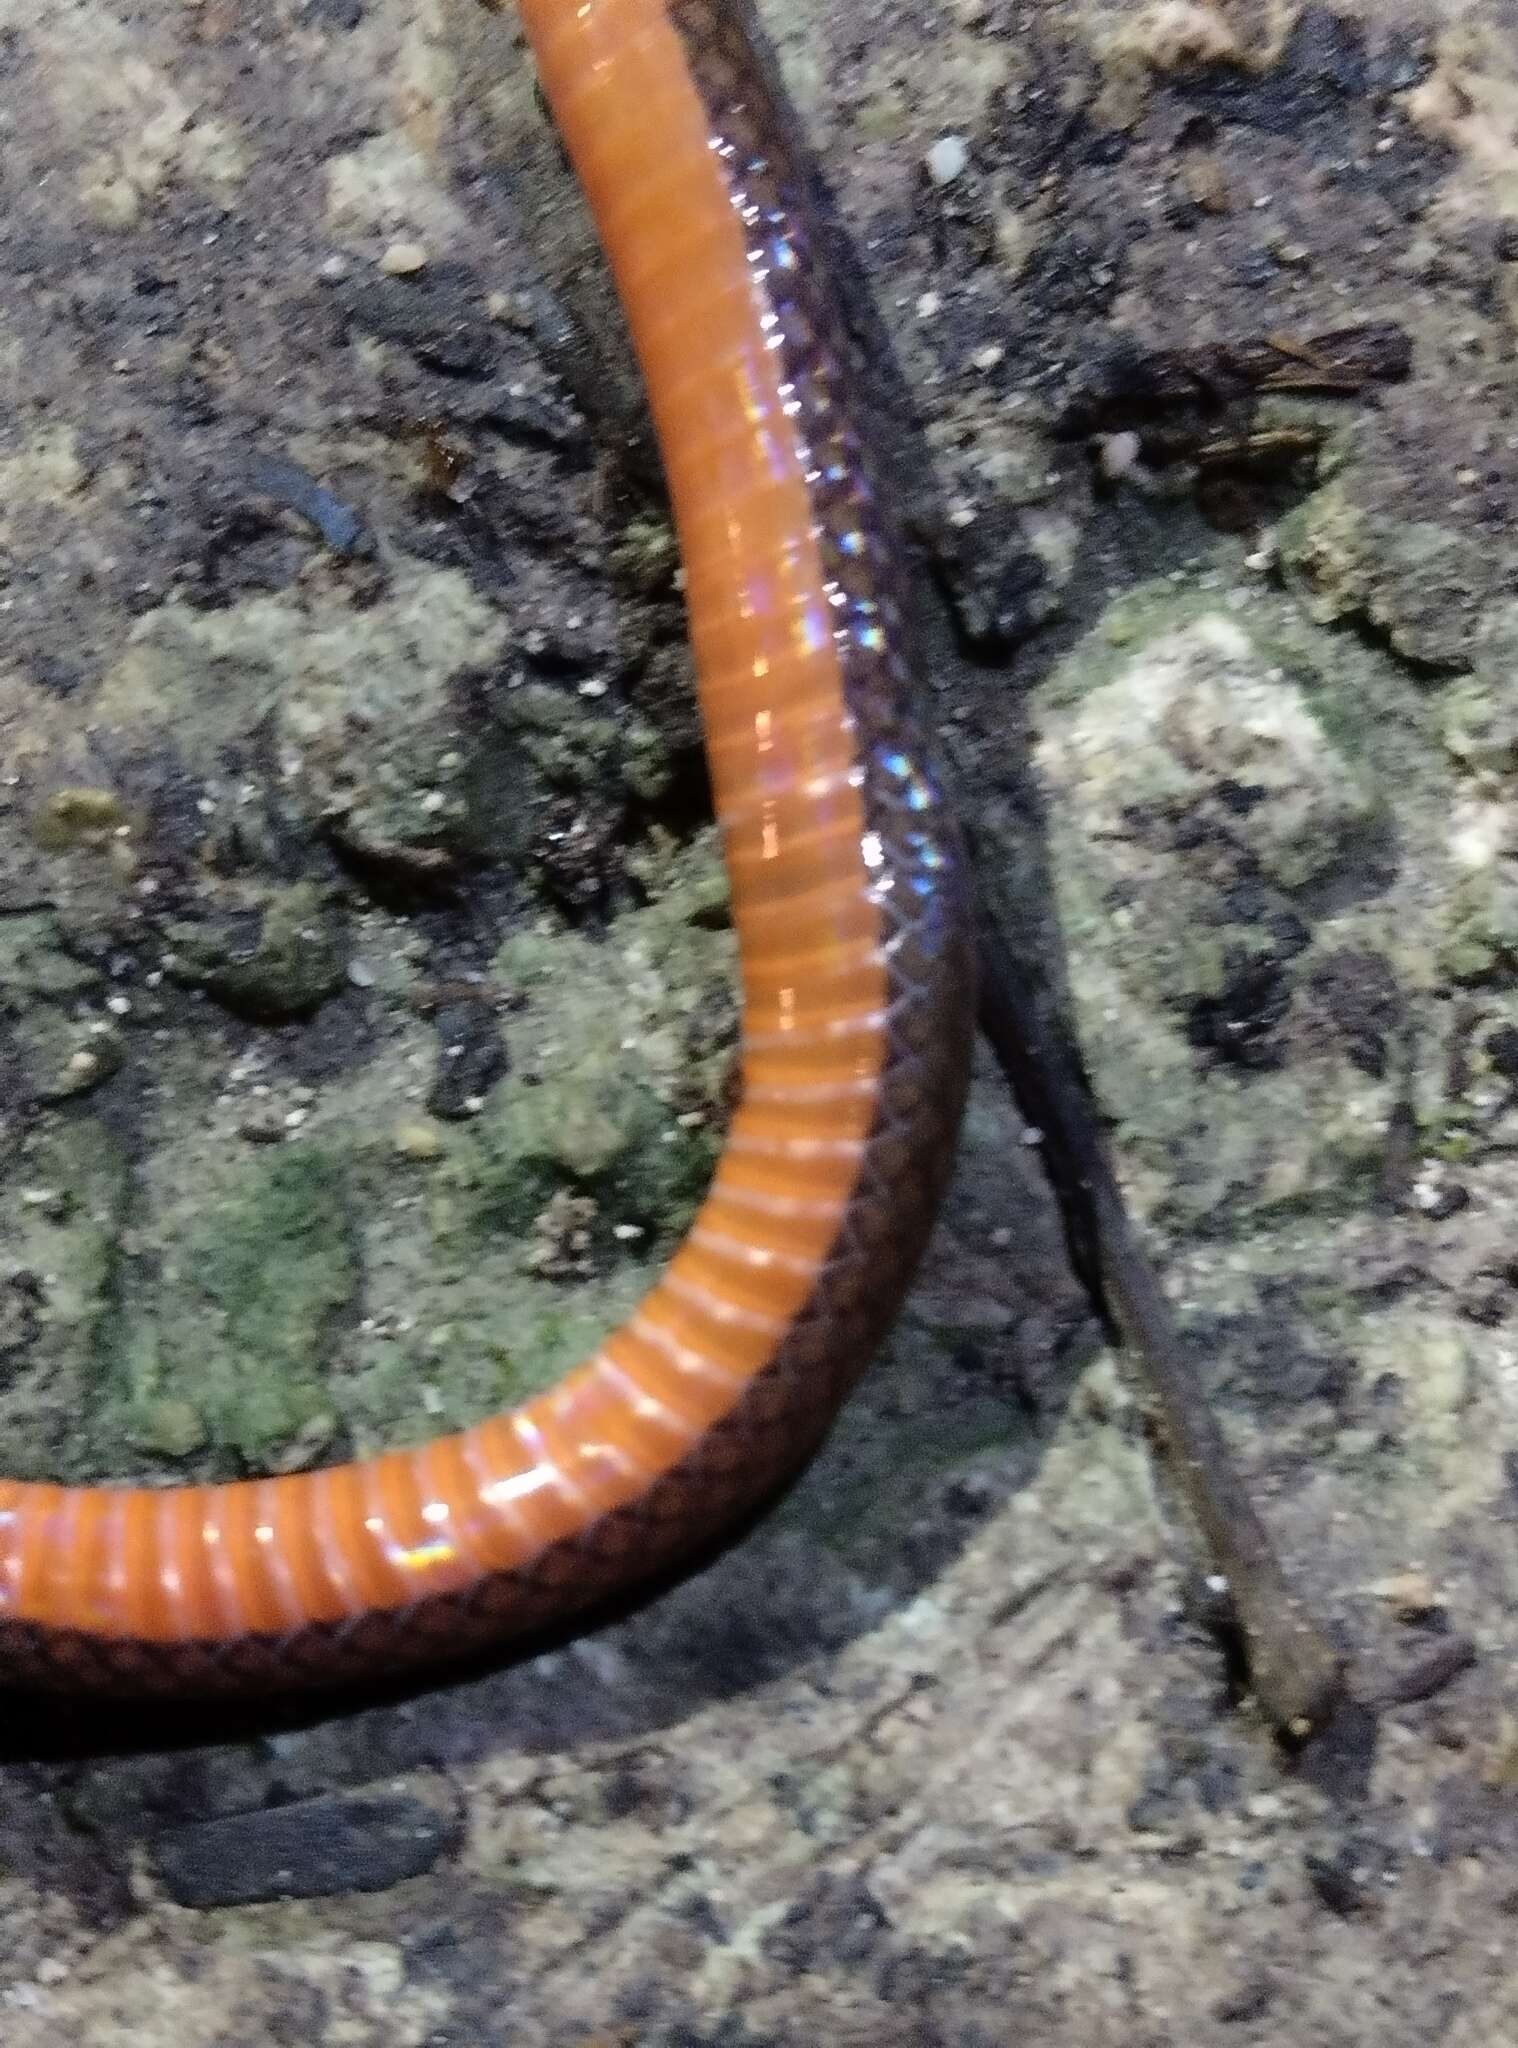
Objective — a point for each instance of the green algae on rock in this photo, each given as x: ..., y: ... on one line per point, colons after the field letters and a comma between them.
x: 357, y: 697
x: 1480, y: 940
x: 277, y: 959
x: 1481, y: 709
x: 1217, y: 778
x: 245, y: 1315
x: 65, y: 1201
x: 1421, y: 584
x: 63, y: 1057
x: 35, y: 964
x: 78, y: 816
x: 615, y: 1099
x: 1200, y: 727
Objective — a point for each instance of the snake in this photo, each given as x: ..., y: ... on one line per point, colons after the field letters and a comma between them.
x: 851, y: 905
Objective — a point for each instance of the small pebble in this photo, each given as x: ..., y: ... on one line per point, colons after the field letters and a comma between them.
x: 948, y: 158
x: 403, y: 259
x: 1410, y: 1595
x: 418, y: 1140
x: 1207, y: 185
x: 328, y: 1846
x: 1118, y: 454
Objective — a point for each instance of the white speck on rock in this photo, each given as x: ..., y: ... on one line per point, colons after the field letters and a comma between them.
x: 948, y: 159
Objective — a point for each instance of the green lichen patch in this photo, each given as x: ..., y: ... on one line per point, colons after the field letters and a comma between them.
x: 406, y: 728
x: 1421, y: 584
x: 35, y: 965
x: 240, y: 1324
x: 210, y: 676
x: 498, y: 1251
x: 80, y: 817
x: 1480, y: 710
x: 549, y: 784
x: 1248, y: 935
x: 475, y: 1337
x: 1200, y: 732
x: 1480, y: 939
x: 279, y: 958
x: 350, y: 682
x: 307, y: 1269
x: 587, y: 1128
x: 569, y: 745
x: 62, y: 1056
x: 626, y: 1043
x: 64, y: 1201
x: 357, y: 697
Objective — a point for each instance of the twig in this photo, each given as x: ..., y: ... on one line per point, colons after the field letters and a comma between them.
x: 1296, y: 1674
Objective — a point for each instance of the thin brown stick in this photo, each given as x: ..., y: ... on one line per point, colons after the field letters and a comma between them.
x: 1295, y: 1673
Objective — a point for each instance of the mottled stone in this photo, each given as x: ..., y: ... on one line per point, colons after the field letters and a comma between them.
x: 283, y: 958
x: 310, y: 1849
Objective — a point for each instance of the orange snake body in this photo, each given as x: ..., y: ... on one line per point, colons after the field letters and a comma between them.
x: 850, y: 904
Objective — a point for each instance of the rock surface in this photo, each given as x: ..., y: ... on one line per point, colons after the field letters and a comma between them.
x: 366, y: 1029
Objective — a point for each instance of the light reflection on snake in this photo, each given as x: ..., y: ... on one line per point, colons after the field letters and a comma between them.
x: 851, y: 910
